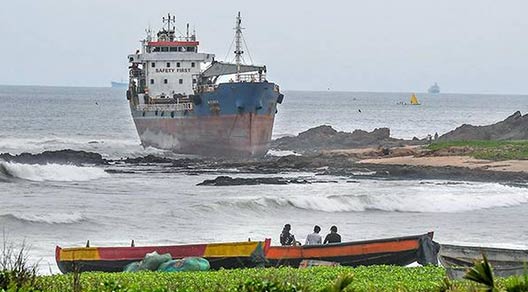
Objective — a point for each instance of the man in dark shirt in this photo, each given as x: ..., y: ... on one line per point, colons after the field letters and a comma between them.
x: 333, y: 236
x: 286, y: 238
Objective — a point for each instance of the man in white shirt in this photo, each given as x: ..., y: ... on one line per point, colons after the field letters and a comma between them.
x: 314, y: 238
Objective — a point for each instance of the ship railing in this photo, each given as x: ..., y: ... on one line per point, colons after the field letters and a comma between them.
x: 252, y: 77
x: 178, y: 107
x: 206, y: 87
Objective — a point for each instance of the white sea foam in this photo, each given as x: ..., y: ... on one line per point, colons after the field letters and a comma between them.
x: 50, y: 172
x: 442, y: 199
x: 279, y: 153
x: 48, y: 218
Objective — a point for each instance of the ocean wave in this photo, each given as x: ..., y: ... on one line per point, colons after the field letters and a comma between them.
x: 48, y: 218
x: 49, y: 172
x: 447, y: 202
x: 108, y: 148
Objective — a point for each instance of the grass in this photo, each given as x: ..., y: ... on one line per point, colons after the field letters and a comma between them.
x: 373, y: 278
x: 489, y: 150
x: 321, y: 279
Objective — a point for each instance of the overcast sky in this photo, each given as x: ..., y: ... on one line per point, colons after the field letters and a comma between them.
x: 365, y: 45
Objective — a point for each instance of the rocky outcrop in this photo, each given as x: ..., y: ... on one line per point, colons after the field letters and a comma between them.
x: 327, y: 138
x: 66, y: 156
x: 237, y: 181
x: 514, y: 127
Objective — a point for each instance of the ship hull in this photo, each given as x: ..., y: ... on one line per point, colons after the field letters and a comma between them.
x: 245, y: 135
x: 235, y: 120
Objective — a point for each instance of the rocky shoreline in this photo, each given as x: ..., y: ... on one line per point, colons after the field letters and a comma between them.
x: 357, y: 155
x: 351, y: 165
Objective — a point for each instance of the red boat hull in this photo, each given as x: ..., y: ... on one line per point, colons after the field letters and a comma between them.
x: 240, y: 135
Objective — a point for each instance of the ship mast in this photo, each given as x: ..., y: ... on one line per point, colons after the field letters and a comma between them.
x: 238, y: 45
x: 168, y: 20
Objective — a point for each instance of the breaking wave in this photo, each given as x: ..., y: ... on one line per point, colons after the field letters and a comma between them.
x: 433, y: 202
x: 48, y: 218
x: 280, y: 153
x: 49, y: 172
x: 108, y: 148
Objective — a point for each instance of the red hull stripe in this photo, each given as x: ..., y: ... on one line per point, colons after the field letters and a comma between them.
x: 212, y: 250
x: 138, y: 253
x: 174, y: 44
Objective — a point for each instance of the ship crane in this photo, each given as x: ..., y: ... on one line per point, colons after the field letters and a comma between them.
x: 217, y: 69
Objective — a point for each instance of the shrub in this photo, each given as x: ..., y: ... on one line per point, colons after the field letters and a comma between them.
x: 16, y: 273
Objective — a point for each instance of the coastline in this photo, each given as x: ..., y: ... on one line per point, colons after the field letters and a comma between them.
x: 453, y: 161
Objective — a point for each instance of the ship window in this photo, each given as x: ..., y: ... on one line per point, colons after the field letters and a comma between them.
x: 173, y: 49
x: 181, y: 81
x: 178, y: 64
x: 164, y: 49
x: 156, y: 49
x: 192, y: 64
x: 151, y: 81
x: 153, y: 64
x: 179, y: 49
x: 194, y: 81
x: 190, y: 49
x: 168, y: 65
x: 165, y: 81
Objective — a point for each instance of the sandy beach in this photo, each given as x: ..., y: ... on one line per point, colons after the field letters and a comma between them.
x: 453, y: 161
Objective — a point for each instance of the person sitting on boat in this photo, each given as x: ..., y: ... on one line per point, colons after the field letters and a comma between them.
x: 314, y: 238
x: 286, y: 238
x: 333, y: 236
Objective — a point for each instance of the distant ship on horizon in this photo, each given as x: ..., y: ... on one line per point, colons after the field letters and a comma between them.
x: 434, y: 89
x: 115, y: 84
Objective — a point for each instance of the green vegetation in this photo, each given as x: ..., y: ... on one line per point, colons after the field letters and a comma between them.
x: 490, y: 150
x: 320, y: 279
x: 323, y: 279
x: 16, y: 272
x: 373, y: 278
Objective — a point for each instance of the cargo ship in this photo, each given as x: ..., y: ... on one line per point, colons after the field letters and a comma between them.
x: 176, y: 105
x: 434, y: 89
x: 115, y: 84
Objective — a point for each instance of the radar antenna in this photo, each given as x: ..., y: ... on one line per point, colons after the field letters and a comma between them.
x: 168, y: 20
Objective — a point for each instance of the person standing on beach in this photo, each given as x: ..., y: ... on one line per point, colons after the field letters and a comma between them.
x: 286, y: 238
x: 314, y: 238
x: 333, y: 236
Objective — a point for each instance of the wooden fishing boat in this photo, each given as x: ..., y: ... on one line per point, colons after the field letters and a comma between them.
x: 114, y: 259
x: 388, y: 251
x: 505, y: 262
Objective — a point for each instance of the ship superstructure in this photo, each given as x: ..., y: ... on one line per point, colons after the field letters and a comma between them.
x: 177, y: 105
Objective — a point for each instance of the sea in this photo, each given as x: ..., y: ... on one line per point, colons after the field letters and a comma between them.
x: 51, y: 204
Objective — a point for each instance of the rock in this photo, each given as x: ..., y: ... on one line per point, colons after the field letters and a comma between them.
x: 326, y: 138
x: 156, y: 159
x: 514, y: 127
x: 66, y: 156
x: 229, y: 181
